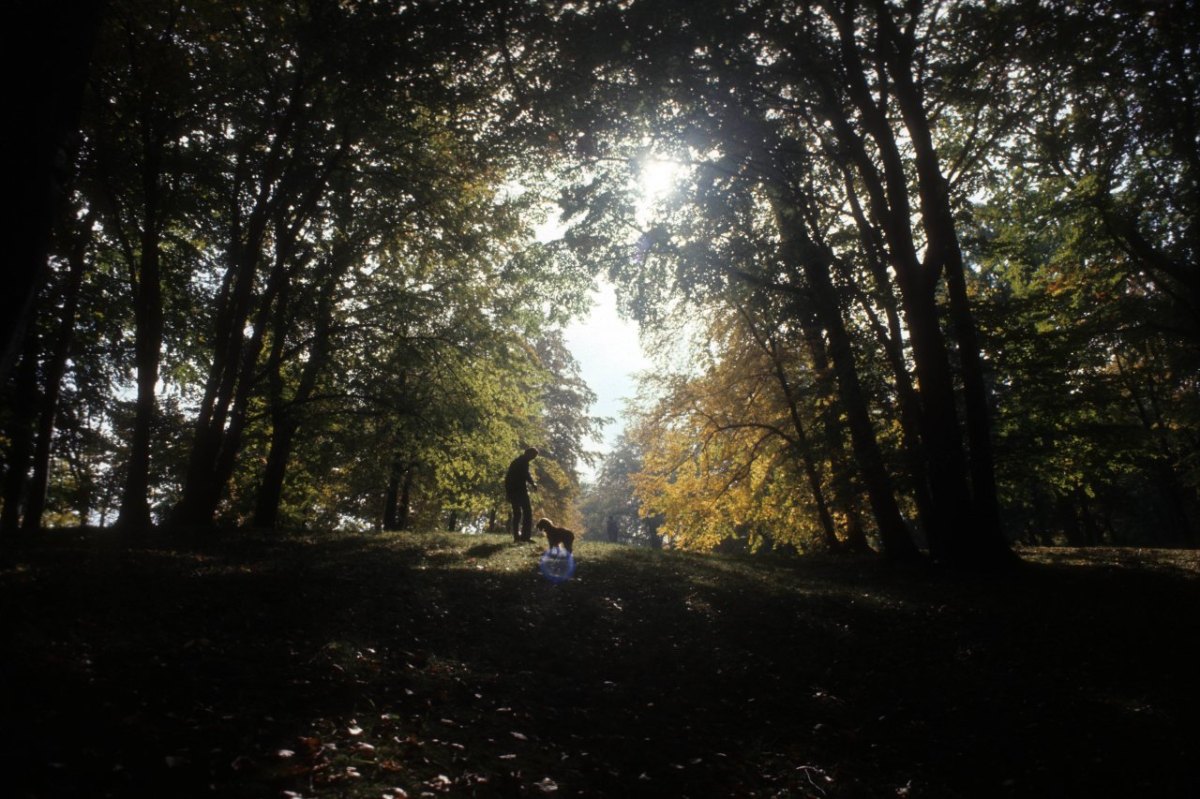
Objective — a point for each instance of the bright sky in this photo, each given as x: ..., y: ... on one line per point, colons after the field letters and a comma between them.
x: 609, y: 355
x: 607, y: 347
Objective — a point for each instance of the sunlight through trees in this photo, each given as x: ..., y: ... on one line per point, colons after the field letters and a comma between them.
x: 902, y: 292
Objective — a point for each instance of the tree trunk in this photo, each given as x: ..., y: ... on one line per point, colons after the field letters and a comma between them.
x: 816, y: 262
x: 283, y: 428
x: 981, y: 541
x: 391, y: 496
x: 811, y: 473
x: 403, y: 512
x: 941, y: 435
x: 231, y: 442
x: 957, y: 532
x: 843, y: 495
x: 285, y: 415
x: 145, y: 284
x: 891, y: 339
x: 201, y: 489
x: 222, y: 416
x: 56, y: 365
x: 277, y: 294
x: 270, y: 490
x: 20, y: 439
x: 222, y: 413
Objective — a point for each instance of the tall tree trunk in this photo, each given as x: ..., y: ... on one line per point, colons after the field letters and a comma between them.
x: 201, y: 489
x: 20, y: 438
x: 56, y: 365
x: 285, y: 421
x: 222, y: 412
x: 403, y: 507
x: 285, y: 425
x: 891, y: 339
x: 145, y: 284
x: 831, y: 425
x: 270, y: 490
x: 134, y: 516
x: 940, y: 431
x: 953, y: 529
x: 391, y: 496
x: 397, y: 496
x: 816, y: 263
x: 231, y: 441
x: 222, y: 416
x: 982, y: 541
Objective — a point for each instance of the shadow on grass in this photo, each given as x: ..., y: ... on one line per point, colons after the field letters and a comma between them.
x: 348, y: 666
x: 484, y: 550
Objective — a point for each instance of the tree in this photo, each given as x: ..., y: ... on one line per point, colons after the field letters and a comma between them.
x: 723, y: 458
x: 53, y: 371
x: 141, y: 115
x: 1088, y: 239
x: 305, y: 203
x: 294, y: 279
x: 564, y: 399
x: 828, y: 112
x: 610, y: 508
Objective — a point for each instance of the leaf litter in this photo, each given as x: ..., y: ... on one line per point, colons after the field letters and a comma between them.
x: 383, y: 666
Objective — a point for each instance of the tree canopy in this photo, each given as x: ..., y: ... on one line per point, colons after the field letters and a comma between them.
x: 916, y: 296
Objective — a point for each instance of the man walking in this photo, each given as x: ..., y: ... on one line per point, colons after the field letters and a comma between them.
x: 517, y: 481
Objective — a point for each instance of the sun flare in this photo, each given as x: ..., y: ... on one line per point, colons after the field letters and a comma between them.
x: 658, y: 177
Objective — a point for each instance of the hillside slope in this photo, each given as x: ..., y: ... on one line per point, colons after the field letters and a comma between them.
x: 410, y: 664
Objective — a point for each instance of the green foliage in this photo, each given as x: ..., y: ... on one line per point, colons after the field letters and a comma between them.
x: 316, y: 202
x: 1094, y: 407
x: 1077, y: 196
x: 1088, y: 252
x: 307, y: 238
x: 611, y: 509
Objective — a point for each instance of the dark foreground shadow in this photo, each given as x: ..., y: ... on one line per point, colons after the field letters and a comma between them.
x: 350, y: 666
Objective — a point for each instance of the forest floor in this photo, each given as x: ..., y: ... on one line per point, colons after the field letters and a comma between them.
x: 443, y: 664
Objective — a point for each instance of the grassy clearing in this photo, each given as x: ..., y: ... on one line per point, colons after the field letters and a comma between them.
x: 442, y: 664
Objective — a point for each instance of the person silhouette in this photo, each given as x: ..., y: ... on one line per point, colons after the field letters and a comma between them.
x: 517, y: 481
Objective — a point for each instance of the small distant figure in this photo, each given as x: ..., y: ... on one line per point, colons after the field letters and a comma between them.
x: 556, y: 536
x: 517, y: 482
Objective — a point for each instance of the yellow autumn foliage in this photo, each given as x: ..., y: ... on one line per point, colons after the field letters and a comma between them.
x: 720, y: 462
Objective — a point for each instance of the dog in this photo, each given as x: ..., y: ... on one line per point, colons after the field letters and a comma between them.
x: 556, y: 536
